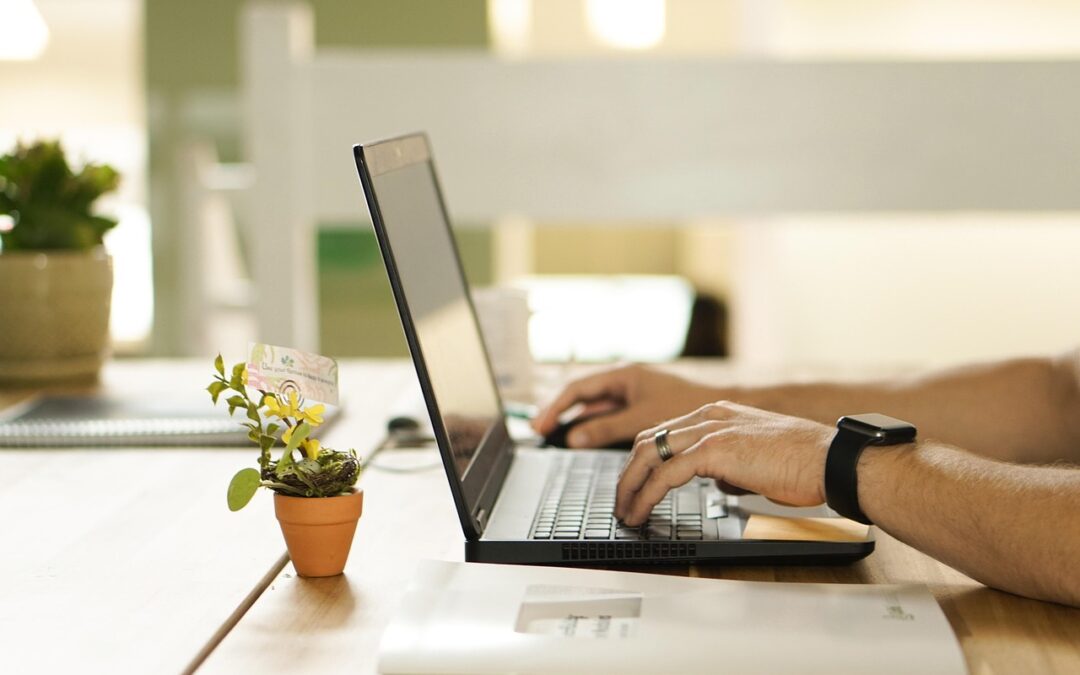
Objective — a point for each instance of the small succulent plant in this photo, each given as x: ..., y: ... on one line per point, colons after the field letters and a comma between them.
x: 49, y: 204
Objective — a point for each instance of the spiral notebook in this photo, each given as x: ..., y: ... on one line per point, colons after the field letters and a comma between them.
x: 80, y: 421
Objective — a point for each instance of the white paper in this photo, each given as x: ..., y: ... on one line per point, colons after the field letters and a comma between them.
x: 473, y: 618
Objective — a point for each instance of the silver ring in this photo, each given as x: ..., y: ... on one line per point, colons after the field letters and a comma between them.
x: 663, y: 448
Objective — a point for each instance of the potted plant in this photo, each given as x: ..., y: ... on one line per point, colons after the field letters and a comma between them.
x: 54, y: 272
x: 315, y: 498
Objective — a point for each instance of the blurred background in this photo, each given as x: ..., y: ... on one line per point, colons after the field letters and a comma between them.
x: 840, y: 229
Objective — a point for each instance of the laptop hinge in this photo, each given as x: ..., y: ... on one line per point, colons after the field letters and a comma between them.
x: 490, y: 491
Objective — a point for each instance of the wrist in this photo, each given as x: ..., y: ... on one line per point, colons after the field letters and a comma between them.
x: 882, y: 468
x: 854, y: 435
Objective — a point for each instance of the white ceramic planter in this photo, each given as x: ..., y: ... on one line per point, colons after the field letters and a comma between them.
x: 54, y: 314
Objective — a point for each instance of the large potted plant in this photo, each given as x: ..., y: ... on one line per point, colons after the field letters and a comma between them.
x: 55, y: 276
x: 315, y: 498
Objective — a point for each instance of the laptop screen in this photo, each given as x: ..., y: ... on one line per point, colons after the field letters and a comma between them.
x: 433, y: 287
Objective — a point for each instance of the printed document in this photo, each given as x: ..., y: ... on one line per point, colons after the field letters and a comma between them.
x: 475, y: 618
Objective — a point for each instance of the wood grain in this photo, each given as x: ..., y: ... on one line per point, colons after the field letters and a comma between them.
x: 123, y: 561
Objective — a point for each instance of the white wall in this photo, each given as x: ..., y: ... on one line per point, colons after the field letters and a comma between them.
x: 929, y: 289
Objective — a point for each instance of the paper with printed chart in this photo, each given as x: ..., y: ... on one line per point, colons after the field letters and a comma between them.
x: 475, y: 618
x: 283, y: 370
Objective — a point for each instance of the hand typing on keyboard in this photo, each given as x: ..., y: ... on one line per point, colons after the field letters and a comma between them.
x: 780, y: 457
x: 579, y: 502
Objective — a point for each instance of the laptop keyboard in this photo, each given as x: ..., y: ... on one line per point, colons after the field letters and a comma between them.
x: 579, y: 499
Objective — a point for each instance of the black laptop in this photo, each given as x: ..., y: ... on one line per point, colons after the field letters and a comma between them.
x: 524, y: 504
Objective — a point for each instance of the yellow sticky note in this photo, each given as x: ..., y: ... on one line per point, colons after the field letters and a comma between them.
x: 760, y: 526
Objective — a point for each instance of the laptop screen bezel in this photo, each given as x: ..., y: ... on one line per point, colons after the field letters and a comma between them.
x: 475, y: 492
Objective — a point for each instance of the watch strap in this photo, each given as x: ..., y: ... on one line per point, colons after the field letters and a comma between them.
x: 841, y: 475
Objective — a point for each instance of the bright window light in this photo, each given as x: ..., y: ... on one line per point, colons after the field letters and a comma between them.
x: 23, y: 33
x: 598, y: 318
x: 626, y: 24
x: 133, y: 291
x: 511, y: 24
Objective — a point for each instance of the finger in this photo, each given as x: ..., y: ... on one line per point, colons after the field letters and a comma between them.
x: 609, y: 384
x: 671, y: 474
x: 602, y: 430
x: 601, y: 407
x: 645, y: 458
x: 674, y: 424
x: 719, y: 411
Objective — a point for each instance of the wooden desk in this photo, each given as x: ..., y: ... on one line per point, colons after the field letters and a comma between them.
x: 129, y: 561
x: 146, y: 575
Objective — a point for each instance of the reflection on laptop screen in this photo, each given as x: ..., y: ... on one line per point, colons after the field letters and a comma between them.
x: 428, y: 269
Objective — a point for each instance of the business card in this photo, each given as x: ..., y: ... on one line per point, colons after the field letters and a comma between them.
x: 283, y: 370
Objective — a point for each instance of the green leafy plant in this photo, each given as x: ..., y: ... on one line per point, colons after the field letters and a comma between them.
x: 305, y: 468
x: 49, y: 204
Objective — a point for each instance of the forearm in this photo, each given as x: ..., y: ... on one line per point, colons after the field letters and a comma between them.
x: 1016, y: 528
x: 1025, y: 410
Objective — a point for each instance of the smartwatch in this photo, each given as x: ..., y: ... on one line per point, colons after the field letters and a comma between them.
x: 853, y: 434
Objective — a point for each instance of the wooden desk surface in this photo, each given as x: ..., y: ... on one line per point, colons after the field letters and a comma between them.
x: 145, y: 575
x: 125, y: 560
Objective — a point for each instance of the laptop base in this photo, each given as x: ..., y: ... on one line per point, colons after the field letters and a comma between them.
x: 612, y: 553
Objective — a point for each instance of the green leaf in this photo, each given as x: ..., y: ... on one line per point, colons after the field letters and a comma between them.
x: 49, y: 202
x: 237, y: 379
x: 242, y: 488
x: 253, y: 414
x: 266, y: 442
x: 272, y: 429
x: 284, y: 465
x: 235, y: 402
x: 298, y: 435
x: 219, y: 365
x: 215, y: 390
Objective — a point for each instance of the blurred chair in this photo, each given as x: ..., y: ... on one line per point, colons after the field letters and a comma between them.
x: 216, y: 296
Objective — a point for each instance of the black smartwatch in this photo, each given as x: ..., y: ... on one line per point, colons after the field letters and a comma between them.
x: 853, y: 434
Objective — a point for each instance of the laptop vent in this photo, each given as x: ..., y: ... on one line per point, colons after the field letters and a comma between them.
x: 630, y: 550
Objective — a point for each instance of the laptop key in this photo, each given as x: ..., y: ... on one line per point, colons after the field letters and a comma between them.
x: 597, y: 534
x: 689, y: 502
x: 658, y: 532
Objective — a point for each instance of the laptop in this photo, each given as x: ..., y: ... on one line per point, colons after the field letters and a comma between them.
x: 524, y: 504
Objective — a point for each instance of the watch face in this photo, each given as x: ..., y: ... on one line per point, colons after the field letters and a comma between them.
x: 879, y: 426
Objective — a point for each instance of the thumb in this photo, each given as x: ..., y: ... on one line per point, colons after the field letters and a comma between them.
x: 603, y: 430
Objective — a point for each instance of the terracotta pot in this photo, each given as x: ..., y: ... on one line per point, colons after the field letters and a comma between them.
x: 54, y: 314
x: 319, y: 531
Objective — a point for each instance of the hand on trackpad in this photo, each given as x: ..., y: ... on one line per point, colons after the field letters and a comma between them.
x: 557, y: 437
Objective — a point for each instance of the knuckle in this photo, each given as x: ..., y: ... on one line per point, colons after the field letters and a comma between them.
x: 721, y: 410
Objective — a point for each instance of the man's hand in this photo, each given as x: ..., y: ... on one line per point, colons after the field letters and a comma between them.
x: 779, y: 457
x: 625, y: 400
